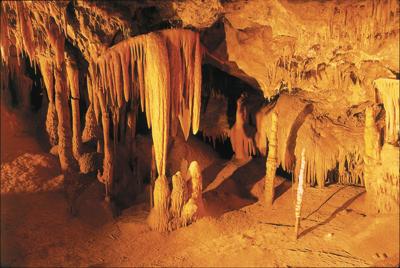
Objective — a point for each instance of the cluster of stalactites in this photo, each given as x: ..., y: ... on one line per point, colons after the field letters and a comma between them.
x: 214, y: 120
x: 327, y: 145
x: 26, y: 37
x: 4, y: 35
x: 24, y: 40
x: 388, y: 93
x: 163, y: 69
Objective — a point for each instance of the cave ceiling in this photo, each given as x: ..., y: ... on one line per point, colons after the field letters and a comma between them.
x: 330, y: 48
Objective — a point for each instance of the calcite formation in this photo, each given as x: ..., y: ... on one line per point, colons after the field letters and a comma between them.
x: 299, y: 196
x: 271, y: 162
x: 322, y: 76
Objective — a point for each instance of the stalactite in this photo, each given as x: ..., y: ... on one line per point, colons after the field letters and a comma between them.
x: 149, y: 58
x: 46, y: 68
x: 73, y: 83
x: 271, y: 164
x: 156, y: 86
x: 300, y: 191
x: 214, y: 121
x: 4, y: 35
x: 388, y: 91
x: 178, y: 195
x: 325, y: 141
x: 151, y: 61
x: 26, y: 30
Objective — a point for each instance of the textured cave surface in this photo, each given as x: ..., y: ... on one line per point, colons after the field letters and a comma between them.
x: 200, y: 133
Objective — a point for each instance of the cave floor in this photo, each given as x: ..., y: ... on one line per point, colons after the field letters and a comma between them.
x: 336, y: 231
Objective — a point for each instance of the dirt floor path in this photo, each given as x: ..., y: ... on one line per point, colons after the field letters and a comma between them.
x: 336, y: 231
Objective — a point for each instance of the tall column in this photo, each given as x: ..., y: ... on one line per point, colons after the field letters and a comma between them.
x: 299, y: 197
x: 67, y: 161
x: 269, y: 191
x: 46, y: 68
x: 73, y: 81
x: 57, y: 41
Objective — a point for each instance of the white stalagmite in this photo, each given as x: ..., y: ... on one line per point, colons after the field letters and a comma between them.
x: 388, y: 91
x: 271, y: 163
x: 300, y: 191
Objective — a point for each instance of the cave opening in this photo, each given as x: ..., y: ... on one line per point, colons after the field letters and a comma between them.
x: 37, y: 90
x: 228, y: 88
x: 287, y: 175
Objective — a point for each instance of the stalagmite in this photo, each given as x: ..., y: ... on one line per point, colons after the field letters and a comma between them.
x: 388, y: 91
x: 194, y: 208
x: 73, y: 83
x: 178, y: 195
x: 271, y: 164
x: 242, y: 145
x: 197, y: 185
x: 300, y: 191
x: 159, y: 215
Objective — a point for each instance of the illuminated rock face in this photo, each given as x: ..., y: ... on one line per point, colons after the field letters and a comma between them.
x: 326, y: 71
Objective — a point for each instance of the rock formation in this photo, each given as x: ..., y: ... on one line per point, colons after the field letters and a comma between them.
x: 327, y: 71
